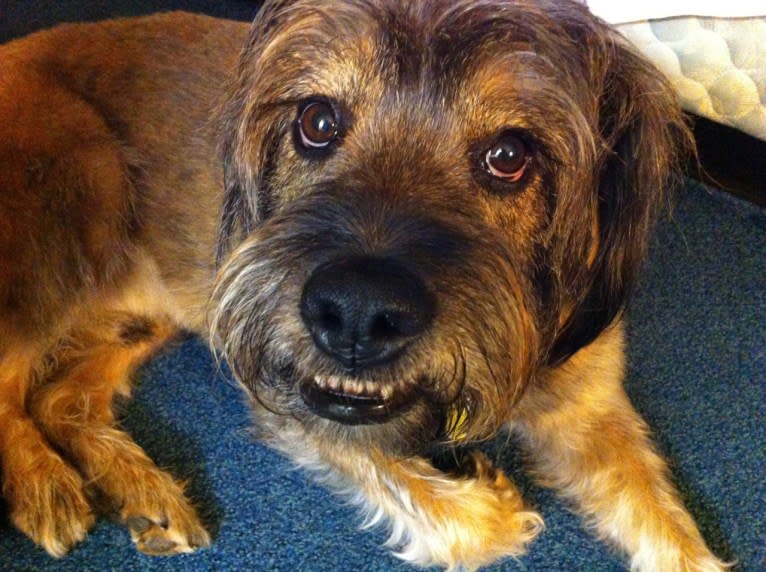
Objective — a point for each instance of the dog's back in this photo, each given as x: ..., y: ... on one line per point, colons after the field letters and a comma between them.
x: 90, y: 114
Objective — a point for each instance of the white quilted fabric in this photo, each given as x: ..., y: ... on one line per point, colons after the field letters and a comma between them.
x: 620, y: 12
x: 717, y: 65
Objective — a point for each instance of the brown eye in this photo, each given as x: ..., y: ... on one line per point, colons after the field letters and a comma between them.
x: 508, y: 158
x: 317, y: 125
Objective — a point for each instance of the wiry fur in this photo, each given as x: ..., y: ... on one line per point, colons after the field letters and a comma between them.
x: 122, y: 228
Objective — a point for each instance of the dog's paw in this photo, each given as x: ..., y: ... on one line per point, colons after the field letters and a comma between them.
x: 164, y: 535
x: 686, y: 553
x: 476, y: 465
x: 49, y: 505
x: 463, y: 522
x: 700, y: 560
x: 504, y: 525
x: 162, y: 522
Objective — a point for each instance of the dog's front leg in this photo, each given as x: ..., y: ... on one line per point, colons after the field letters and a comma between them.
x: 74, y: 409
x: 435, y: 518
x: 590, y: 444
x: 46, y: 495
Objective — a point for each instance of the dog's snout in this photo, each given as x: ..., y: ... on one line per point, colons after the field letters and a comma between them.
x: 364, y: 311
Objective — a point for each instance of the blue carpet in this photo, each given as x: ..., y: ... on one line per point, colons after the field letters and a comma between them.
x: 697, y: 372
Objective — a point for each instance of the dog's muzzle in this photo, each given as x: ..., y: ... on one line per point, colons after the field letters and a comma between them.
x: 364, y: 313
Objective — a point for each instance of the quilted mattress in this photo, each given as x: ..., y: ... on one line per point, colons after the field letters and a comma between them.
x: 717, y: 65
x: 713, y: 52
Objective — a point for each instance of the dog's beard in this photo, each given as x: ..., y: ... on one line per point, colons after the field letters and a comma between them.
x: 472, y: 364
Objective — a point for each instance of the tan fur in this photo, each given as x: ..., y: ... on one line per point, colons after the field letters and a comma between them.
x: 121, y: 224
x: 590, y: 444
x: 74, y: 410
x: 434, y: 519
x: 102, y: 167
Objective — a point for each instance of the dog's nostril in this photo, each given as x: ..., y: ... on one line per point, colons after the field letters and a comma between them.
x: 330, y: 317
x: 385, y: 325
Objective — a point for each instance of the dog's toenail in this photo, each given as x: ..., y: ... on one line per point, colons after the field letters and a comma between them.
x: 138, y: 524
x: 160, y: 545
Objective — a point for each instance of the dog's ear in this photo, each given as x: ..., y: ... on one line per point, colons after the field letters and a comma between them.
x: 643, y: 139
x: 250, y: 126
x: 249, y: 147
x: 236, y: 215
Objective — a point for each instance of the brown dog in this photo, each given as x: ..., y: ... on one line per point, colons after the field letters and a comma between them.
x: 428, y: 220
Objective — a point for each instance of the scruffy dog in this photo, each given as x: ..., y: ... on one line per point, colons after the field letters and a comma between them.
x: 423, y: 230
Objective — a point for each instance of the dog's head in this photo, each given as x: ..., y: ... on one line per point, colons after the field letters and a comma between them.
x: 427, y: 202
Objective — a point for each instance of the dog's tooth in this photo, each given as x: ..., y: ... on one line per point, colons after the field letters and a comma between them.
x: 334, y: 382
x: 386, y: 392
x: 371, y: 388
x: 353, y: 386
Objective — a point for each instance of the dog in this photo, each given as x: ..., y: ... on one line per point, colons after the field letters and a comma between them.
x: 405, y: 226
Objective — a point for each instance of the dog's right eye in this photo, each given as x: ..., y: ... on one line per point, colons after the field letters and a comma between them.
x: 318, y: 125
x: 508, y: 158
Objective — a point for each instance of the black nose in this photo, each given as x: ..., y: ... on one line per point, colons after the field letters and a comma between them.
x: 364, y: 311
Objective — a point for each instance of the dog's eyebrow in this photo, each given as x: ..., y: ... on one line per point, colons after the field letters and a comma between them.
x: 278, y: 102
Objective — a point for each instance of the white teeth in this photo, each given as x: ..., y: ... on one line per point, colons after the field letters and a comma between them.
x: 330, y: 382
x: 353, y: 386
x: 358, y: 387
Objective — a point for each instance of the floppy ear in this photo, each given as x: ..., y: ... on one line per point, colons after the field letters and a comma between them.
x: 236, y: 215
x: 250, y: 125
x: 644, y: 138
x: 247, y: 197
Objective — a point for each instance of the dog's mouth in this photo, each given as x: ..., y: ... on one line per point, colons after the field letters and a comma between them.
x: 356, y: 402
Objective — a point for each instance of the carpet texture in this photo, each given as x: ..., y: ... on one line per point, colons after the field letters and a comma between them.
x: 697, y: 372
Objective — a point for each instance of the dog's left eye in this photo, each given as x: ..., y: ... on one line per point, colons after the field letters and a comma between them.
x: 508, y: 158
x: 317, y: 125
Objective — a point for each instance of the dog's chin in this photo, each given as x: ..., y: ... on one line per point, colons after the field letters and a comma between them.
x: 356, y: 402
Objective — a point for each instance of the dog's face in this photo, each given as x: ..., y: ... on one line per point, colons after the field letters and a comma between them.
x: 426, y: 203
